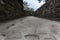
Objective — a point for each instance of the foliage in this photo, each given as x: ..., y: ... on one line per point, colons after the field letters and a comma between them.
x: 26, y: 7
x: 39, y: 1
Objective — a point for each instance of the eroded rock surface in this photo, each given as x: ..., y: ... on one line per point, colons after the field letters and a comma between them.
x: 31, y: 28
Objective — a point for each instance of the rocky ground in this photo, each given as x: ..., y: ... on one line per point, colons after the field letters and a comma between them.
x: 30, y: 28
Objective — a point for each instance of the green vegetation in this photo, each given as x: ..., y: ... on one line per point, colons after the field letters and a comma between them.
x: 27, y: 8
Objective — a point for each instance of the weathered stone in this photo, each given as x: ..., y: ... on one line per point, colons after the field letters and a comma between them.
x: 33, y: 28
x: 50, y: 10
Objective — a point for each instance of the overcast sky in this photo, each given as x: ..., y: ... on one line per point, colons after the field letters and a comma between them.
x: 34, y: 4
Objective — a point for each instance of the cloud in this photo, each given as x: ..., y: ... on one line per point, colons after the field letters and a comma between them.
x: 34, y: 4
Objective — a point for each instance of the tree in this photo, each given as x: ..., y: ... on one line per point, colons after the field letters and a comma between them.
x: 39, y: 1
x: 26, y: 7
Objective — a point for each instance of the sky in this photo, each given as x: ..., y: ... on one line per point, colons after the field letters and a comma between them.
x: 34, y: 4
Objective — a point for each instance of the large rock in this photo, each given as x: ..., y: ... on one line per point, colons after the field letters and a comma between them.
x: 10, y: 9
x: 31, y: 28
x: 50, y: 10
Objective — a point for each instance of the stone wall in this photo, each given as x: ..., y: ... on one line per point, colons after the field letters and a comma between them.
x: 50, y: 10
x: 10, y: 9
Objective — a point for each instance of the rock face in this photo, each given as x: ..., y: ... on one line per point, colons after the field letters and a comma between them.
x: 31, y: 28
x: 10, y: 9
x: 50, y: 10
